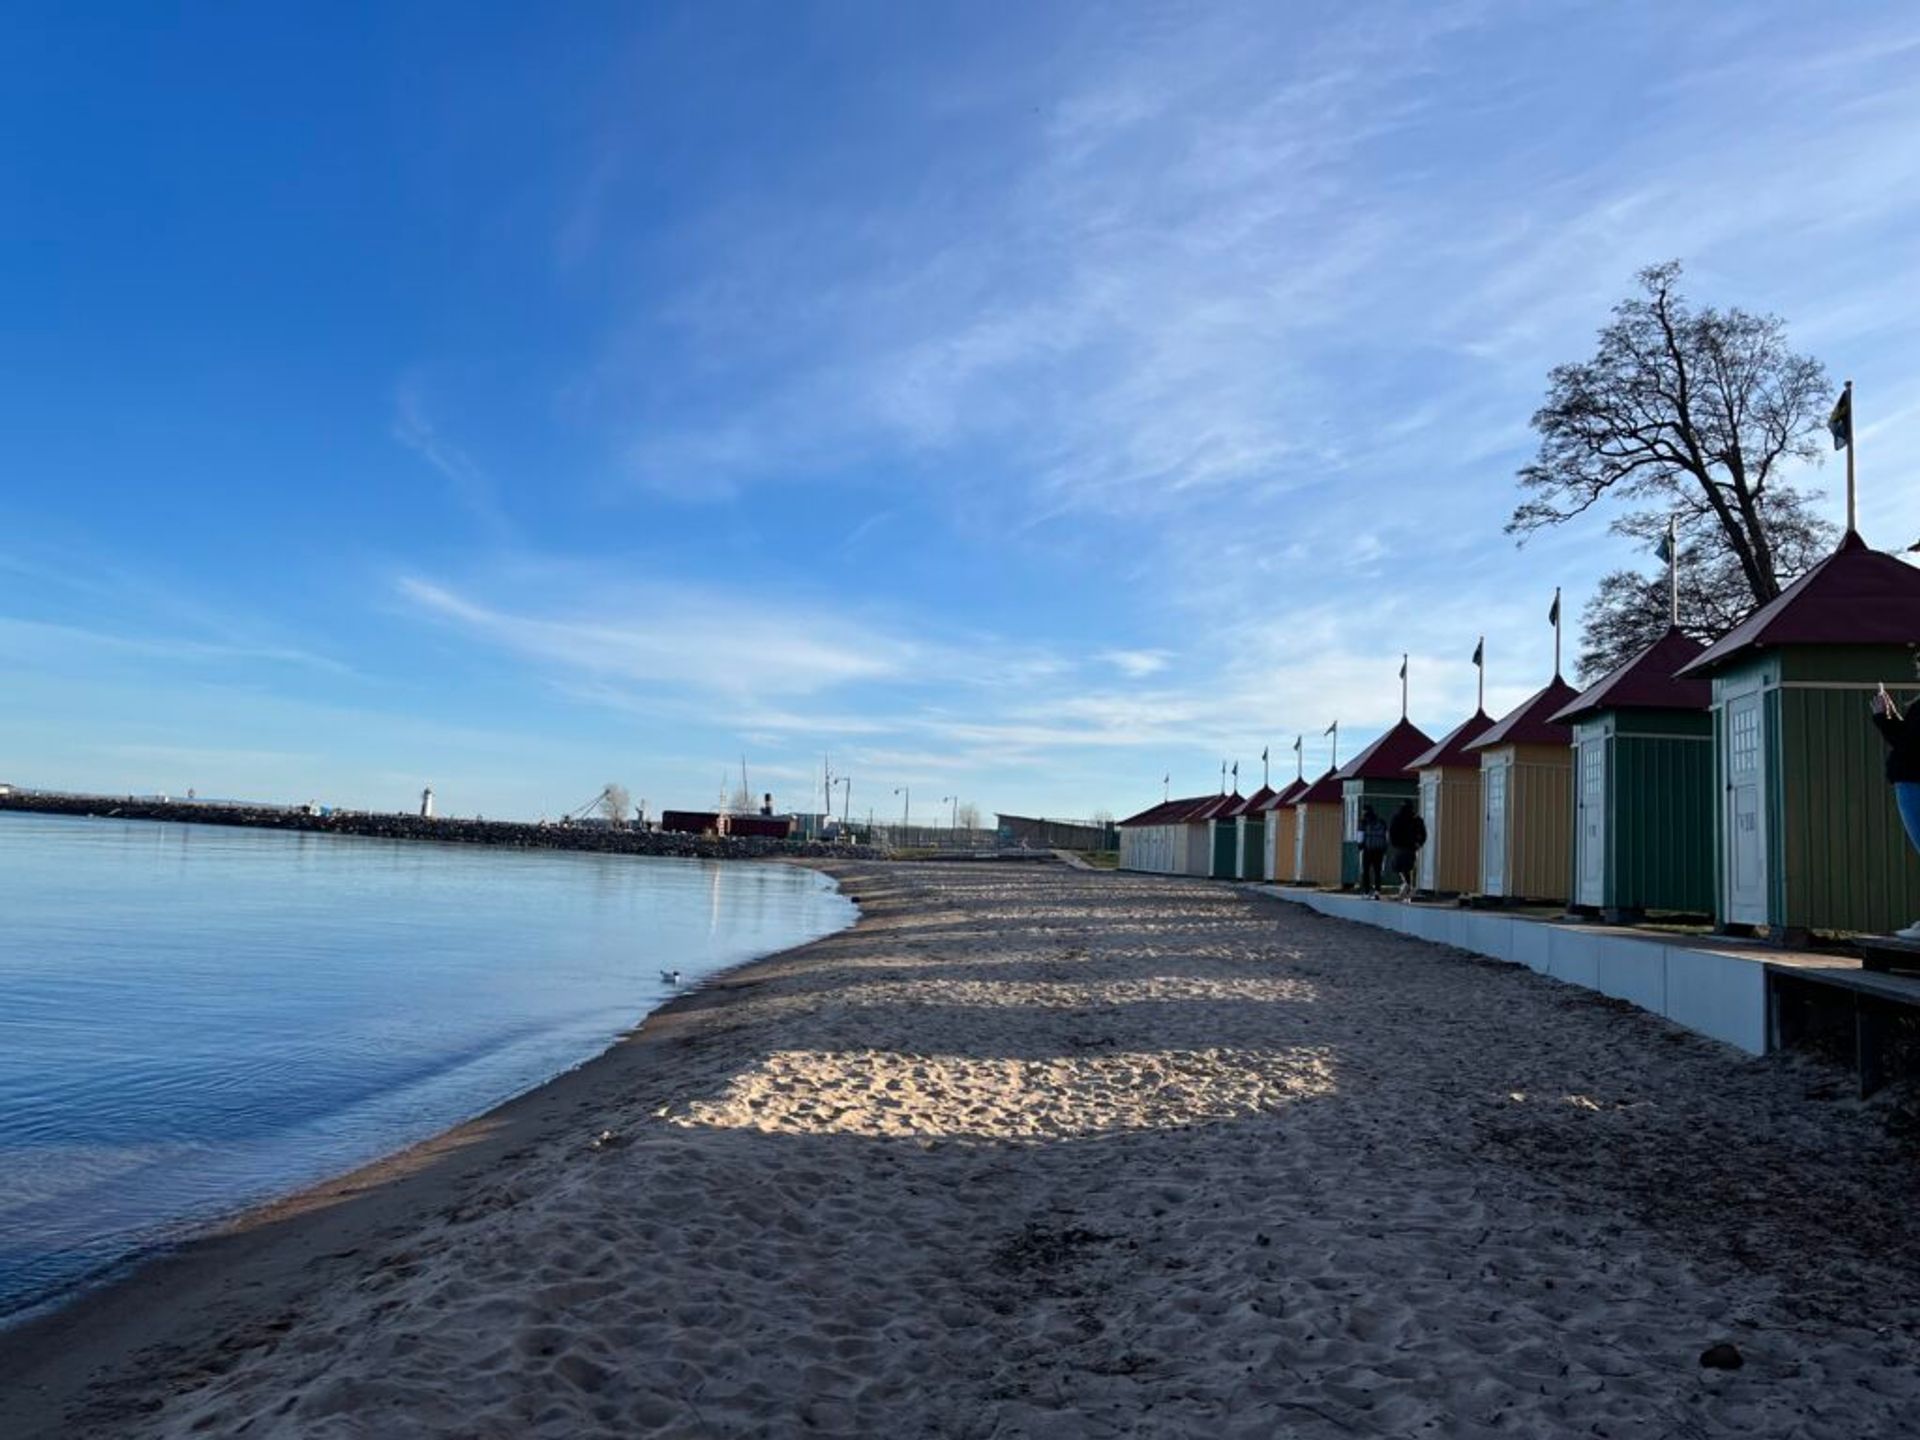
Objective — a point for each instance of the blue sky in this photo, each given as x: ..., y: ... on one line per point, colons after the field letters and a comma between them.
x: 1018, y: 402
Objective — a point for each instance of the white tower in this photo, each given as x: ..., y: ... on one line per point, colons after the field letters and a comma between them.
x: 426, y: 803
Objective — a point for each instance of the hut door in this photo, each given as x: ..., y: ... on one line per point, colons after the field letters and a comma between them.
x: 1744, y: 823
x: 1591, y: 827
x: 1493, y: 838
x: 1299, y: 842
x: 1429, y: 812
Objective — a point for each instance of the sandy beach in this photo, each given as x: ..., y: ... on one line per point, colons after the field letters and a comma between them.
x: 1041, y: 1152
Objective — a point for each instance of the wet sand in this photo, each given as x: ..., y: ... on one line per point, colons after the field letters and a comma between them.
x: 1038, y: 1152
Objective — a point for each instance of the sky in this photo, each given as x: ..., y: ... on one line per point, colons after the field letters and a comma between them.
x: 1019, y: 404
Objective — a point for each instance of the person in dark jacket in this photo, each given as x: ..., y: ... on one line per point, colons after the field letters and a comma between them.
x: 1406, y: 833
x: 1373, y: 850
x: 1902, y: 734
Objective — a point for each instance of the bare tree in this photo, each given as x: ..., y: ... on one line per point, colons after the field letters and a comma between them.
x: 615, y: 803
x: 1699, y: 410
x: 1630, y: 610
x: 1102, y: 817
x: 967, y: 817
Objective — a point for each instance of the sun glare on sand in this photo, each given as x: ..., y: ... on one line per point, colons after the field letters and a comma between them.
x: 885, y: 1094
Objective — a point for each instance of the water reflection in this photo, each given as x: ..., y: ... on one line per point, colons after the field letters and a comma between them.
x: 195, y: 1018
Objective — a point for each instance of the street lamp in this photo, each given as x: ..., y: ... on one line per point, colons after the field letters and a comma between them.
x: 846, y: 798
x: 906, y: 811
x: 953, y: 819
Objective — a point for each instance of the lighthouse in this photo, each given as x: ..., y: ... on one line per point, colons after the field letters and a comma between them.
x: 426, y: 803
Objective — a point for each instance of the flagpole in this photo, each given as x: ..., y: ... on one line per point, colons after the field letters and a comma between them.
x: 1853, y: 444
x: 1673, y: 570
x: 1403, y: 686
x: 1481, y: 651
x: 1556, y: 632
x: 1299, y: 757
x: 1334, y: 730
x: 1266, y: 771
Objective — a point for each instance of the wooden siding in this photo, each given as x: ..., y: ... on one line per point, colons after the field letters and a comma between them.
x: 1455, y: 832
x: 1845, y: 863
x: 1539, y: 822
x: 1661, y: 805
x: 1320, y: 857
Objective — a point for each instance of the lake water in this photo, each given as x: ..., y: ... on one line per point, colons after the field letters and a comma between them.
x: 194, y: 1018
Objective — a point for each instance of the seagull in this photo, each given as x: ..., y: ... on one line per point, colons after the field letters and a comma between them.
x: 672, y: 977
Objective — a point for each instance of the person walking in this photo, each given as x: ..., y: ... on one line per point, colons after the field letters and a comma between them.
x: 1406, y: 833
x: 1373, y: 850
x: 1902, y: 734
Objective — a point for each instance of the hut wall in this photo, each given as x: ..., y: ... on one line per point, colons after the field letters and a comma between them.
x: 1197, y: 854
x: 1540, y: 822
x: 1281, y: 824
x: 1319, y: 838
x: 1226, y: 851
x: 1253, y: 836
x: 1660, y: 811
x: 1453, y: 833
x: 1843, y: 860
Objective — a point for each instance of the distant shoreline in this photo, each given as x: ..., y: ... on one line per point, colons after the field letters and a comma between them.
x: 513, y: 834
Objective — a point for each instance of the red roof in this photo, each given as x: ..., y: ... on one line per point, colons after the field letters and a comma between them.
x: 1253, y: 802
x: 1388, y: 757
x: 1287, y: 795
x: 1649, y: 681
x: 1856, y: 596
x: 1324, y: 791
x: 1167, y: 812
x: 1223, y: 805
x: 1452, y: 751
x: 1531, y: 722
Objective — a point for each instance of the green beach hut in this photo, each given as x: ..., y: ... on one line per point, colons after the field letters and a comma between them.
x: 1643, y: 786
x: 1250, y: 831
x: 1377, y: 776
x: 1807, y: 834
x: 1226, y: 847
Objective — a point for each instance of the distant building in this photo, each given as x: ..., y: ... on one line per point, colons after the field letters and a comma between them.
x: 763, y: 826
x: 690, y: 822
x: 426, y: 803
x: 1031, y: 833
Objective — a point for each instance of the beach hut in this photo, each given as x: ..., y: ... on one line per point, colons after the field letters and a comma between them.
x: 1449, y: 779
x: 1377, y: 776
x: 1526, y: 799
x: 1643, y: 786
x: 1316, y: 832
x: 1807, y: 834
x: 1250, y: 831
x: 1223, y: 857
x: 1277, y: 863
x: 1155, y: 840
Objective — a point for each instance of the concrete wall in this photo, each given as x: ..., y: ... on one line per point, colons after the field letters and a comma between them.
x: 1715, y: 993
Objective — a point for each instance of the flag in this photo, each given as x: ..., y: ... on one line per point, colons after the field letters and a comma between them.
x: 1403, y: 667
x: 1665, y: 549
x: 1331, y: 728
x: 1263, y: 754
x: 1298, y: 741
x: 1840, y: 422
x: 1236, y: 772
x: 1553, y: 615
x: 1480, y: 652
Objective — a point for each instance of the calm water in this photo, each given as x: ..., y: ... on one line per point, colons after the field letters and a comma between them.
x: 195, y: 1018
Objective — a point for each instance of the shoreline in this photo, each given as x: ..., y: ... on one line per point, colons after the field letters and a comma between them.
x: 55, y: 1351
x: 374, y: 825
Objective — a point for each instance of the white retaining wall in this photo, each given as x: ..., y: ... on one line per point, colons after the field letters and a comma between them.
x: 1716, y: 993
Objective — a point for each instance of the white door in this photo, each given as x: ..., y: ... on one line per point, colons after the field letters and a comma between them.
x: 1745, y: 821
x: 1299, y: 841
x: 1493, y: 835
x: 1269, y: 848
x: 1429, y: 812
x: 1590, y: 827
